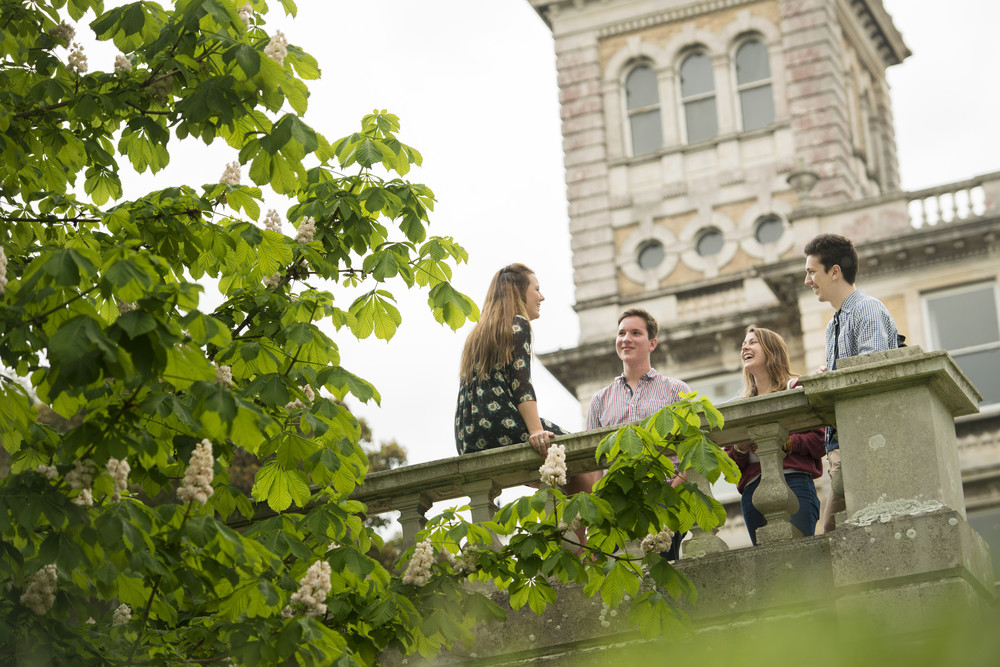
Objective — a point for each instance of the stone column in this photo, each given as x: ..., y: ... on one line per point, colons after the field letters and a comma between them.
x: 895, y: 416
x: 773, y: 497
x: 412, y: 508
x: 481, y: 496
x: 701, y: 542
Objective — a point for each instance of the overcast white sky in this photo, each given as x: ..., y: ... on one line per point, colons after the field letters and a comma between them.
x: 474, y: 85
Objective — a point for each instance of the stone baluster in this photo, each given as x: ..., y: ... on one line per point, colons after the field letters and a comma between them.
x: 954, y: 205
x: 482, y: 493
x: 412, y: 508
x: 925, y: 208
x: 773, y: 497
x: 701, y: 542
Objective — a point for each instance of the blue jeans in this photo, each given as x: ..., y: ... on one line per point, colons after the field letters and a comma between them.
x: 805, y: 519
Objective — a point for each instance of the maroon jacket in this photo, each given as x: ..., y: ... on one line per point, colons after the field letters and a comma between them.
x: 806, y: 455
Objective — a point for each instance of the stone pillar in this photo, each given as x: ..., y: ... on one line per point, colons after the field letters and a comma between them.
x: 412, y: 508
x: 773, y: 497
x: 895, y: 416
x: 481, y: 496
x: 702, y: 543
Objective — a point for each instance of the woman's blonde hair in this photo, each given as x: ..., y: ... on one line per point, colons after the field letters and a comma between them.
x: 776, y: 362
x: 491, y: 341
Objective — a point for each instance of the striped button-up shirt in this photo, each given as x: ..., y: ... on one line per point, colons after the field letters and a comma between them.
x: 862, y: 325
x: 619, y: 404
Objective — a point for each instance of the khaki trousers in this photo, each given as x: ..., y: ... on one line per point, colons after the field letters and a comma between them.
x: 834, y: 501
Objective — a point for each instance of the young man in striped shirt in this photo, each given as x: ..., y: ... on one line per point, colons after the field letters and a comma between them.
x: 639, y: 391
x: 861, y: 325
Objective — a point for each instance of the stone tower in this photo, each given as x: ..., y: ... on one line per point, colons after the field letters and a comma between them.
x: 697, y: 135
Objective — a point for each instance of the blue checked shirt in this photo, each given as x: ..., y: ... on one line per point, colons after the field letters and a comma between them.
x: 862, y: 325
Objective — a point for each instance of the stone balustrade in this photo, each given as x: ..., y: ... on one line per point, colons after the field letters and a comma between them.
x: 903, y: 555
x: 894, y: 412
x: 953, y: 202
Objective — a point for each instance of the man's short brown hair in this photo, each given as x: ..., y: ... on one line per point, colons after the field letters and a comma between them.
x: 651, y: 326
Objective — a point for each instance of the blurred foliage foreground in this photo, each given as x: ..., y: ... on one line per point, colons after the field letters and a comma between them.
x: 113, y: 514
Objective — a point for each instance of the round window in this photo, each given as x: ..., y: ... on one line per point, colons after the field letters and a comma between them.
x: 769, y: 229
x: 709, y: 242
x: 651, y: 255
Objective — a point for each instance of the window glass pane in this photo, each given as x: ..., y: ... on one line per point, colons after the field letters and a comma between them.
x: 709, y: 243
x: 964, y: 319
x: 769, y: 230
x: 651, y: 255
x: 696, y: 75
x: 983, y: 369
x: 987, y: 523
x: 751, y: 62
x: 647, y: 136
x: 701, y: 120
x: 758, y: 107
x: 640, y: 88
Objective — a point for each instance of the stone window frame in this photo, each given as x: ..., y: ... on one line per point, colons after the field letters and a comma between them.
x: 957, y: 353
x: 630, y: 113
x: 711, y: 264
x: 683, y: 102
x: 739, y: 88
x: 770, y: 252
x: 628, y: 255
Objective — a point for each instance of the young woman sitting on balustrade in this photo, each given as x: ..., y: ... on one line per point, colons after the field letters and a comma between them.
x: 766, y: 369
x: 496, y: 401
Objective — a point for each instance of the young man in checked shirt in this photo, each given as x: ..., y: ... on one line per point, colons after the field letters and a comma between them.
x: 861, y: 325
x: 639, y: 391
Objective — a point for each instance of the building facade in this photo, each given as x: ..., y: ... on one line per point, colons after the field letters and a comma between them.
x: 706, y: 142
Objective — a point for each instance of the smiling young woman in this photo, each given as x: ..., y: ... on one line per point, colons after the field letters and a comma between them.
x: 766, y: 369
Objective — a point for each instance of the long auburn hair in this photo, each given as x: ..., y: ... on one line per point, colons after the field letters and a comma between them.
x: 776, y: 362
x: 491, y: 341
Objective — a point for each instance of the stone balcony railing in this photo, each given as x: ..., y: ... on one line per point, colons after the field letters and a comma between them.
x: 902, y: 554
x: 954, y: 202
x: 895, y: 416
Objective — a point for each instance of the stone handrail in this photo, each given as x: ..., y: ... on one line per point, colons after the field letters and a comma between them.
x: 951, y: 202
x: 894, y: 411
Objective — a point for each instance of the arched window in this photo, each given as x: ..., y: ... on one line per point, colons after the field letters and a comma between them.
x: 753, y: 81
x: 698, y: 97
x: 643, y: 103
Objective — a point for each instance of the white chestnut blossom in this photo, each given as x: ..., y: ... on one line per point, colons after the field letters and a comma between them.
x: 245, y: 12
x: 313, y: 590
x: 467, y: 561
x: 307, y: 230
x: 50, y: 472
x: 63, y: 33
x: 272, y: 280
x: 231, y: 176
x: 127, y: 306
x: 197, y: 484
x: 119, y: 471
x: 40, y: 590
x: 273, y: 221
x: 3, y: 271
x: 308, y: 391
x: 418, y: 572
x: 122, y: 64
x: 277, y: 48
x: 82, y: 475
x: 122, y: 615
x: 86, y: 498
x: 224, y: 376
x: 77, y: 61
x: 657, y: 541
x: 553, y: 471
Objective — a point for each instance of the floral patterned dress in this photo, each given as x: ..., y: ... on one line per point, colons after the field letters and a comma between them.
x: 486, y: 415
